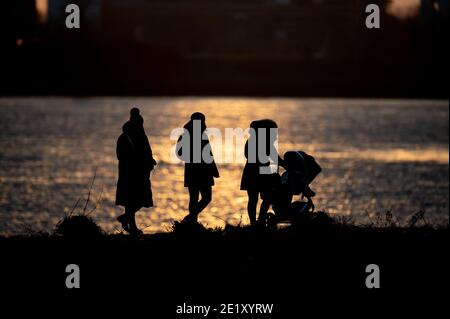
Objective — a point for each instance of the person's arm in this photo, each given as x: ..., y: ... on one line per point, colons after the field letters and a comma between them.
x: 246, y: 149
x: 122, y: 149
x: 215, y: 171
x: 275, y: 157
x: 179, y: 147
x: 152, y: 160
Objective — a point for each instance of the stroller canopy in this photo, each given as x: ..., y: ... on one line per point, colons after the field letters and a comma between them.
x: 302, y: 163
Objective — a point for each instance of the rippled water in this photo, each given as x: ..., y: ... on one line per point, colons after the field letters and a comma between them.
x: 376, y: 154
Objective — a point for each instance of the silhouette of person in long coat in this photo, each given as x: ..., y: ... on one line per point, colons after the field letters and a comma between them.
x: 256, y: 182
x: 194, y: 149
x: 135, y: 164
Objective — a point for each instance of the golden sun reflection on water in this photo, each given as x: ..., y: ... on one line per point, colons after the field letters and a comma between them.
x: 376, y: 155
x: 42, y: 10
x: 436, y: 155
x: 404, y: 8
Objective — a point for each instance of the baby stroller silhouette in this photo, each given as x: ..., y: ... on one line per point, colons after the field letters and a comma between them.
x: 301, y: 170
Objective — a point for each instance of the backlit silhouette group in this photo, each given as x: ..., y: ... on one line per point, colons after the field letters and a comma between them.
x: 136, y: 162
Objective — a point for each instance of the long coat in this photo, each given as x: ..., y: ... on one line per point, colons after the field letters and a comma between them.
x: 135, y: 164
x: 196, y: 175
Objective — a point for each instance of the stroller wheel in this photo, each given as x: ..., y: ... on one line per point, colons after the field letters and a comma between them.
x: 271, y: 221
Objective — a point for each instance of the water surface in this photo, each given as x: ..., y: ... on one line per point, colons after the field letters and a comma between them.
x: 377, y: 155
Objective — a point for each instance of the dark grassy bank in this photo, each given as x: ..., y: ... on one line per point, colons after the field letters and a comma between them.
x: 310, y: 266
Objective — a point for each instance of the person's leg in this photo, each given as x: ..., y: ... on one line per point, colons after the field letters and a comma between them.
x: 251, y: 205
x: 193, y: 200
x: 130, y: 212
x: 123, y: 220
x: 194, y: 193
x: 265, y: 205
x: 206, y: 193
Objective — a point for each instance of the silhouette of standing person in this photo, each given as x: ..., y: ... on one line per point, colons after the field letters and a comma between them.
x: 135, y: 164
x: 194, y: 149
x: 256, y: 179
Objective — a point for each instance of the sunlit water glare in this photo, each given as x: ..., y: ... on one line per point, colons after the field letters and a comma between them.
x: 377, y: 155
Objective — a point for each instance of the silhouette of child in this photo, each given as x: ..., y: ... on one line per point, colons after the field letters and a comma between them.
x: 199, y: 172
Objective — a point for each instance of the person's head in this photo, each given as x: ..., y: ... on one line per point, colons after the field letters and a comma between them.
x: 135, y: 116
x: 267, y: 123
x: 128, y: 128
x: 254, y: 125
x: 262, y: 124
x: 197, y: 116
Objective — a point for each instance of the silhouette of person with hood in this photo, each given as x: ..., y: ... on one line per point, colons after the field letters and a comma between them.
x: 194, y: 149
x: 256, y: 181
x: 135, y: 164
